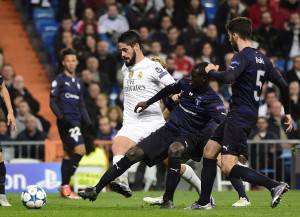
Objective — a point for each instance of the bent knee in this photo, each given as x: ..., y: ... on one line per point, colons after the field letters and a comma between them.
x: 176, y: 150
x: 80, y: 149
x: 135, y: 154
x: 211, y: 150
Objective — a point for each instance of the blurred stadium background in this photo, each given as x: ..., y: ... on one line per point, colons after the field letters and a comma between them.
x: 182, y: 32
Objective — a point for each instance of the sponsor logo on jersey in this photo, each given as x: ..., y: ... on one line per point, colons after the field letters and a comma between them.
x: 198, y: 100
x: 67, y: 83
x: 71, y: 96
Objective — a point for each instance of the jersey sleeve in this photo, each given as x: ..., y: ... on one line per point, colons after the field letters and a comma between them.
x: 53, y: 99
x: 215, y: 108
x: 165, y: 92
x: 237, y: 66
x: 162, y: 75
x: 55, y: 88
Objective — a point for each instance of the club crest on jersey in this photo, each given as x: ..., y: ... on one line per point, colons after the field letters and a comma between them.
x: 140, y: 75
x: 198, y: 100
x: 130, y: 74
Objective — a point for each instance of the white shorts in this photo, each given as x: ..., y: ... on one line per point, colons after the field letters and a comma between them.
x: 137, y: 132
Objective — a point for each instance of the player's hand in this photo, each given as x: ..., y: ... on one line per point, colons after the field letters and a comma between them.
x: 11, y: 121
x: 141, y: 106
x: 288, y: 121
x: 211, y: 67
x: 176, y: 97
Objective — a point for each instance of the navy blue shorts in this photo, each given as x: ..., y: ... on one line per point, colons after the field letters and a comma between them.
x: 71, y: 137
x: 232, y: 138
x: 156, y: 145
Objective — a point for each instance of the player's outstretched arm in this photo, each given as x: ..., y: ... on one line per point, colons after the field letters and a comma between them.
x: 11, y: 121
x: 165, y: 92
x: 228, y: 76
x: 276, y: 78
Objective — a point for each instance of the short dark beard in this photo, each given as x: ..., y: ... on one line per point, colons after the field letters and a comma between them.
x: 234, y: 45
x: 132, y: 60
x: 69, y: 71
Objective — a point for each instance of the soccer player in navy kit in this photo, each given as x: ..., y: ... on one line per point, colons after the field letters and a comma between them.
x: 11, y: 121
x: 67, y: 104
x: 183, y: 136
x: 247, y: 73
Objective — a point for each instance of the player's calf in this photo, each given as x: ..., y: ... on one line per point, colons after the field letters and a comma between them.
x: 3, y: 199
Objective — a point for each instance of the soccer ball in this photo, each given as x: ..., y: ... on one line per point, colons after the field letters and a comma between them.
x: 34, y: 197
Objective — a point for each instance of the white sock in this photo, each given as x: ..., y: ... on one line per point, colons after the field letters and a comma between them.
x: 116, y: 158
x: 124, y: 176
x: 191, y: 177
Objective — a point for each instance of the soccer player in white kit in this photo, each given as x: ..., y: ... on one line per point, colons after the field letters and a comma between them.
x: 143, y: 78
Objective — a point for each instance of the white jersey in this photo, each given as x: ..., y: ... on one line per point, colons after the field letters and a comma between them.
x: 141, y: 82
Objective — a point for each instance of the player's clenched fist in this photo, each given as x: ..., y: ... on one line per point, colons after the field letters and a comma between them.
x: 141, y: 106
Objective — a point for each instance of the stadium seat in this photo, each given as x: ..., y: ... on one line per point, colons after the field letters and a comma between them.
x: 45, y: 25
x: 43, y: 13
x: 280, y: 64
x: 210, y: 7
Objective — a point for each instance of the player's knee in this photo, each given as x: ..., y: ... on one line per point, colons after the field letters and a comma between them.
x: 211, y: 151
x: 176, y: 150
x: 135, y: 154
x: 115, y: 148
x: 80, y: 149
x: 226, y: 169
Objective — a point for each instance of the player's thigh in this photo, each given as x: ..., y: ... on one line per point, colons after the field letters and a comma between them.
x: 121, y: 145
x: 80, y: 149
x: 228, y: 161
x: 211, y: 149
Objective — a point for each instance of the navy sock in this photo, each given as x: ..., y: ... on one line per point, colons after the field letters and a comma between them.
x: 239, y: 187
x: 252, y: 176
x: 69, y: 167
x: 2, y: 177
x: 173, y: 177
x: 113, y: 172
x: 208, y: 176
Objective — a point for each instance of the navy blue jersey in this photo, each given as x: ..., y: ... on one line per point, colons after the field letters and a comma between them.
x: 195, y: 112
x: 66, y: 98
x: 248, y: 71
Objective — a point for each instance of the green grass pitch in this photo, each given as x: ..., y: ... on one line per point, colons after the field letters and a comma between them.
x: 111, y: 204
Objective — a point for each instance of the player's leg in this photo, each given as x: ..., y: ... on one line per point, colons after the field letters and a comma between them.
x: 68, y: 168
x: 3, y: 199
x: 239, y: 187
x: 189, y: 175
x: 133, y: 155
x: 208, y: 174
x: 232, y: 169
x: 121, y: 145
x: 175, y: 153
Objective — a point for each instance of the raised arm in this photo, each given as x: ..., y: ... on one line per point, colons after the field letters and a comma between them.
x: 228, y: 76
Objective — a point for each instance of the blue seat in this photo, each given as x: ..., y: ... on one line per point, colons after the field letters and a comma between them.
x: 46, y: 25
x: 280, y: 64
x: 210, y: 7
x: 48, y: 38
x: 43, y: 13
